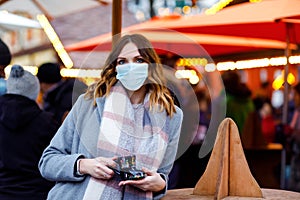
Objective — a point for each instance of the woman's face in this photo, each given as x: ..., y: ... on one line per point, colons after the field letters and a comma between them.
x: 130, y: 54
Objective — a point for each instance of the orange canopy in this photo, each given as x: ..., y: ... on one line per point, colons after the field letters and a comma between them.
x: 241, y: 28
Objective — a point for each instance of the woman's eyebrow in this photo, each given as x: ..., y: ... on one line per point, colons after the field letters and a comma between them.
x: 137, y: 56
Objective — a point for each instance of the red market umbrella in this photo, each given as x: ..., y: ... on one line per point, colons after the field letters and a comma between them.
x: 269, y: 19
x: 185, y: 44
x: 269, y: 24
x: 252, y: 25
x: 245, y: 27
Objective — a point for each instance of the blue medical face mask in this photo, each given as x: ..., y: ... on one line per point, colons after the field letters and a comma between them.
x: 132, y: 75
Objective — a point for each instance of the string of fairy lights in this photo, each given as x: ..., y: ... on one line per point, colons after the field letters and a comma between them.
x: 191, y: 74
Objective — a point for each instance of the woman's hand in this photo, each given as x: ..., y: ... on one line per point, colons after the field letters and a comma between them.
x: 152, y: 182
x: 97, y: 167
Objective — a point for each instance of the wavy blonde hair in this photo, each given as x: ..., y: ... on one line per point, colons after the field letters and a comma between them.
x: 159, y: 93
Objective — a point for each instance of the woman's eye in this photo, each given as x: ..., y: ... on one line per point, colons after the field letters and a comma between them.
x: 121, y: 62
x: 140, y: 60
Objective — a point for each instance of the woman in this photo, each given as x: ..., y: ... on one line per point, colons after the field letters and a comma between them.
x: 128, y: 112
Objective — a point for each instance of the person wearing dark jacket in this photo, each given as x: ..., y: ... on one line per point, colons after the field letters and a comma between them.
x: 58, y: 94
x: 25, y: 131
x: 5, y: 58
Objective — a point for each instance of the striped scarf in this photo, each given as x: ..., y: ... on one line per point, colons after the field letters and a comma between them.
x: 128, y: 129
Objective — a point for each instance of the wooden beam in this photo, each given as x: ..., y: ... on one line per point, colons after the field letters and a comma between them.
x: 3, y: 1
x: 42, y: 8
x: 116, y: 20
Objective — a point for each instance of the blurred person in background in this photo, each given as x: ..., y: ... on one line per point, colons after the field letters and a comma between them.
x: 191, y: 167
x: 293, y: 142
x: 268, y: 121
x: 264, y: 91
x: 58, y: 94
x: 238, y: 98
x: 263, y: 120
x: 25, y: 131
x: 5, y: 58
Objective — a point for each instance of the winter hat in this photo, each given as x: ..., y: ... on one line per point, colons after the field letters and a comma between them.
x: 49, y: 73
x: 5, y: 56
x: 23, y: 83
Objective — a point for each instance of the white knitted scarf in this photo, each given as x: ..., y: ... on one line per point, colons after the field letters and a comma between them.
x: 126, y: 130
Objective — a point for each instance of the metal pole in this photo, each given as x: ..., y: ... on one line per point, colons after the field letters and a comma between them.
x: 152, y: 14
x: 286, y: 72
x: 116, y: 20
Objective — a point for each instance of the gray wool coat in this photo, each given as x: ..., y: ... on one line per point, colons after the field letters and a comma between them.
x: 70, y: 142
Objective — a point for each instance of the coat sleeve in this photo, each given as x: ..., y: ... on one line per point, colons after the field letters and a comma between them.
x: 169, y: 158
x: 58, y: 159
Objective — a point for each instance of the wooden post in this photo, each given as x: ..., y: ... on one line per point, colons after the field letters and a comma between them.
x: 227, y: 172
x: 116, y: 20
